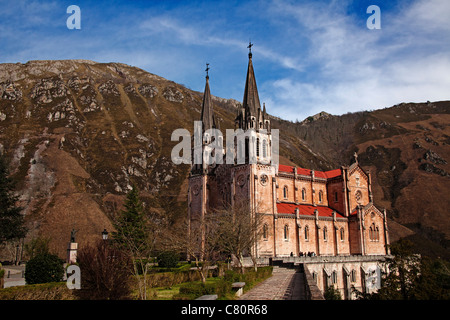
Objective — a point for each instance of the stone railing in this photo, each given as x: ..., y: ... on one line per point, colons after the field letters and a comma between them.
x: 311, y: 289
x: 322, y: 259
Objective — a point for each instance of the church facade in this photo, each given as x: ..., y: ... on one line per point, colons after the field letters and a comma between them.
x: 319, y: 216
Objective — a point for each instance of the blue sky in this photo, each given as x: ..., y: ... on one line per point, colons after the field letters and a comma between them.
x: 309, y: 56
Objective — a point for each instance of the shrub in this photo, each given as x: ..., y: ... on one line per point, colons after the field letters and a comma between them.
x: 168, y: 259
x: 105, y: 272
x: 331, y: 293
x: 193, y: 290
x: 44, y: 268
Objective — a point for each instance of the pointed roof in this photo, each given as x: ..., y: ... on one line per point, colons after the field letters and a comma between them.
x: 251, y: 97
x: 207, y: 108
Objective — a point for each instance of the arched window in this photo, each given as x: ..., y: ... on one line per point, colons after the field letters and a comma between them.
x: 374, y: 233
x: 286, y: 232
x: 265, y: 231
x: 257, y: 147
x: 320, y: 196
x: 285, y: 192
x: 303, y: 194
x: 342, y: 234
x: 358, y: 196
x: 325, y: 233
x: 306, y: 233
x: 353, y: 276
x: 334, y: 277
x: 264, y: 148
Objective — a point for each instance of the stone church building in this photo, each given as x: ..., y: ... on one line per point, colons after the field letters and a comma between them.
x: 325, y: 220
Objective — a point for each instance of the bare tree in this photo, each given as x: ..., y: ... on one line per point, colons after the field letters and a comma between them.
x: 238, y: 230
x: 200, y: 243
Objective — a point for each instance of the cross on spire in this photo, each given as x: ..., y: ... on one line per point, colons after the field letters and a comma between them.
x: 207, y: 69
x: 250, y: 45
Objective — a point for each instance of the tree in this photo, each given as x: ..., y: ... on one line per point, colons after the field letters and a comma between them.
x: 238, y: 231
x: 11, y: 220
x: 131, y: 230
x: 331, y: 293
x: 37, y: 246
x: 44, y: 268
x: 200, y: 244
x: 136, y: 234
x: 105, y: 272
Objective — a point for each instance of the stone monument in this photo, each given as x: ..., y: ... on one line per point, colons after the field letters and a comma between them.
x: 72, y: 248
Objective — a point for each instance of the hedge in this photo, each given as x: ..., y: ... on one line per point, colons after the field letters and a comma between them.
x: 42, y: 291
x: 222, y: 286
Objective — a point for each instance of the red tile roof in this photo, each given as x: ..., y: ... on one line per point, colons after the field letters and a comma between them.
x: 307, y: 172
x: 307, y: 210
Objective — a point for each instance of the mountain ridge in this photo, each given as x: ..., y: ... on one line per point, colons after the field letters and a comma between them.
x: 78, y: 134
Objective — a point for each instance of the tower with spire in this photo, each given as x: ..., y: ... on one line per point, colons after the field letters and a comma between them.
x: 254, y: 120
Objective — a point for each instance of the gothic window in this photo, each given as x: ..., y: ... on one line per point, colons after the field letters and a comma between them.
x: 320, y: 196
x: 334, y: 277
x: 342, y: 234
x: 325, y: 234
x: 357, y: 181
x: 265, y: 231
x: 286, y: 232
x: 303, y: 194
x: 306, y: 233
x: 285, y: 192
x: 257, y: 147
x: 358, y: 196
x: 353, y: 276
x: 374, y: 233
x: 264, y: 148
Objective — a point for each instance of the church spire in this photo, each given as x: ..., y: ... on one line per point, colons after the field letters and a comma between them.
x: 207, y: 107
x: 251, y: 102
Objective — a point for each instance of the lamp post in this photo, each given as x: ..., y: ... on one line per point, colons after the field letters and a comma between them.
x: 105, y: 234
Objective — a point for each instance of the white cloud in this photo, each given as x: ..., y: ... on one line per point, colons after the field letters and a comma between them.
x: 360, y: 69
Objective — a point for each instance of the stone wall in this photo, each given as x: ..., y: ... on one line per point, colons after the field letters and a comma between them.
x: 312, y: 290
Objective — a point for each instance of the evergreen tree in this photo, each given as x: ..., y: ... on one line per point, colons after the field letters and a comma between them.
x: 11, y: 220
x: 133, y: 236
x: 131, y: 225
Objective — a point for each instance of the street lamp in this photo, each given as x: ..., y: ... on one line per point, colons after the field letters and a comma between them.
x: 105, y: 234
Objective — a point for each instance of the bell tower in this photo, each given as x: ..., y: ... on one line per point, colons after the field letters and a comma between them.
x: 253, y: 120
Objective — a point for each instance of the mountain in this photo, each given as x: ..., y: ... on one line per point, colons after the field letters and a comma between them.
x: 78, y: 134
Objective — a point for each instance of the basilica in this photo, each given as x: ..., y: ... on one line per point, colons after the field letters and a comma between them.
x: 325, y: 219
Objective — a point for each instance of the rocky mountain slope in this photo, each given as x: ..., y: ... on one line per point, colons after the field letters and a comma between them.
x: 78, y: 134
